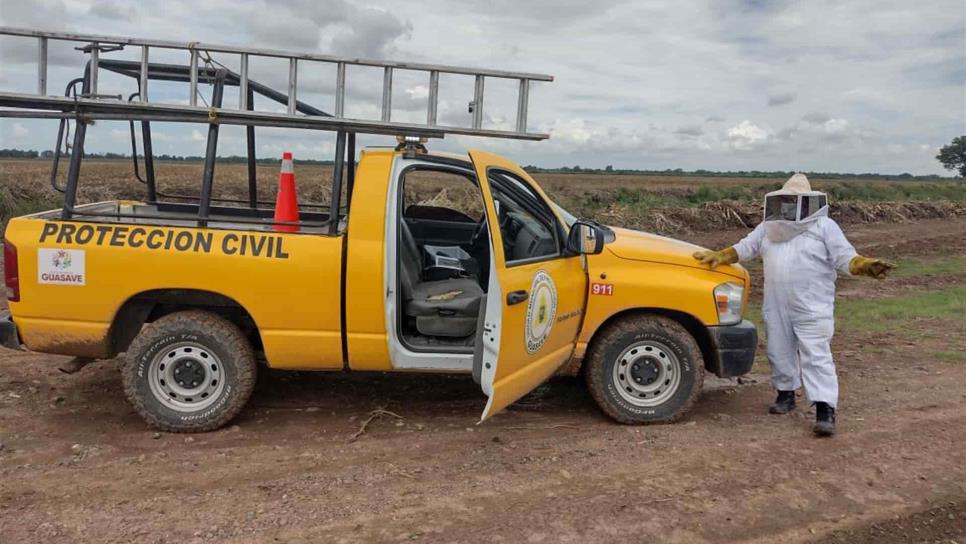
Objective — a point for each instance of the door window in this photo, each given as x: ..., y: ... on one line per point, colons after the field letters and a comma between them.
x: 432, y: 193
x: 528, y: 227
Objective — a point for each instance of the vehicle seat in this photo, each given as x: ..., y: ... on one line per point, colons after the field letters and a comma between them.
x: 441, y: 308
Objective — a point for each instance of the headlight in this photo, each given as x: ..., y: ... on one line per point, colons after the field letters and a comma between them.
x: 727, y: 299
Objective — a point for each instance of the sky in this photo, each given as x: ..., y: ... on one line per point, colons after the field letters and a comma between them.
x: 822, y: 85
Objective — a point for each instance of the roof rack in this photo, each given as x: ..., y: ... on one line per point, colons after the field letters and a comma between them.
x: 92, y: 105
x: 82, y: 103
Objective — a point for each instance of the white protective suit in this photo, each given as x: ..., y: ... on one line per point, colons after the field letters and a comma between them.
x: 800, y: 259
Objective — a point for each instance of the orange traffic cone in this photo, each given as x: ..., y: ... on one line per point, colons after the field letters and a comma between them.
x: 287, y: 202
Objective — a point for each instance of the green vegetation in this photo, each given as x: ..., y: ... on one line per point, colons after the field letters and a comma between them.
x: 951, y: 356
x: 896, y: 315
x: 899, y: 314
x: 931, y: 267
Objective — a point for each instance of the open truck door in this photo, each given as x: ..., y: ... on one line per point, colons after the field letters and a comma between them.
x: 537, y: 288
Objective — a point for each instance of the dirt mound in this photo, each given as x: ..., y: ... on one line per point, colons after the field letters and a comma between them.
x: 733, y: 214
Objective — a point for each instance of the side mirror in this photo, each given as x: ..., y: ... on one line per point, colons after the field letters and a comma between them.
x: 586, y: 238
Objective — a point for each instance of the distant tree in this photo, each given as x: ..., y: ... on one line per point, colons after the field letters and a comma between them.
x: 953, y: 155
x: 608, y: 168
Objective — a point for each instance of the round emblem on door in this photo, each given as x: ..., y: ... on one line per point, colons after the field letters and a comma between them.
x: 541, y: 310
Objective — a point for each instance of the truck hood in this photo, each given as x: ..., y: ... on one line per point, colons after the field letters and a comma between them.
x: 642, y: 246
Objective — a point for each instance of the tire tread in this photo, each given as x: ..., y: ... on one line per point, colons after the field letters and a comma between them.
x: 630, y: 325
x: 214, y: 325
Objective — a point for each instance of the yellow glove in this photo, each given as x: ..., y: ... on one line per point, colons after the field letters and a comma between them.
x: 714, y: 258
x: 866, y: 266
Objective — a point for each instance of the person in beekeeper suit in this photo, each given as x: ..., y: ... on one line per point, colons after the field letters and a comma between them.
x: 801, y: 248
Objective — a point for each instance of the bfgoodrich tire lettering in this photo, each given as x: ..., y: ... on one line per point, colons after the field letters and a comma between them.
x: 672, y: 357
x: 208, y: 348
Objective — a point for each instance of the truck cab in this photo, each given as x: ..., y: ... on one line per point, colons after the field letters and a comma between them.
x: 441, y: 263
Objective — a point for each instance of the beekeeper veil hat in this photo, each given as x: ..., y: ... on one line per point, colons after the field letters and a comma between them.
x: 790, y: 210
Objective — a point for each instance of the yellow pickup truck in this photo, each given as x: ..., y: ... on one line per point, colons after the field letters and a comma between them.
x: 500, y: 283
x: 418, y: 261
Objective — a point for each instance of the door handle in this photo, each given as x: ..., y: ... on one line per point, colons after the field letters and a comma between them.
x: 516, y: 297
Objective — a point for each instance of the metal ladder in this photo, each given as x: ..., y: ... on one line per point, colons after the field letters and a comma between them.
x: 91, y: 105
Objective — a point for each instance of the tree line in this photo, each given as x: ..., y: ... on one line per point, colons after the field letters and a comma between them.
x: 610, y: 170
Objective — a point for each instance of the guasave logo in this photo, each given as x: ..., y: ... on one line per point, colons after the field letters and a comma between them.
x: 61, y: 266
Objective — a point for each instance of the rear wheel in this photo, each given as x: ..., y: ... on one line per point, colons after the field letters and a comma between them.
x: 645, y: 369
x: 189, y: 371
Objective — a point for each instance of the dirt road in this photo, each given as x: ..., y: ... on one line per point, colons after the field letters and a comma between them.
x: 77, y: 465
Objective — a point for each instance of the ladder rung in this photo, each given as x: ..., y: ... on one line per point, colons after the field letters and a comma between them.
x: 292, y: 84
x: 95, y: 59
x: 386, y: 94
x: 340, y: 90
x: 478, y: 102
x: 143, y: 79
x: 523, y: 100
x: 243, y: 82
x: 42, y: 67
x: 193, y: 75
x: 433, y: 98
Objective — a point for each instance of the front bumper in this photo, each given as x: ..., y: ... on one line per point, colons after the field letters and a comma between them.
x: 8, y: 332
x: 734, y: 349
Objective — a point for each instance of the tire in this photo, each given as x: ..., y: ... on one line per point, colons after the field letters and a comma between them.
x: 190, y: 371
x: 645, y: 369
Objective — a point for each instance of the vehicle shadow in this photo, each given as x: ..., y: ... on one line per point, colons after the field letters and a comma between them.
x: 421, y: 394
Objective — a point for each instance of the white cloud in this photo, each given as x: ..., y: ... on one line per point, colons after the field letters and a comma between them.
x: 835, y: 126
x: 334, y: 26
x: 747, y: 135
x: 420, y: 92
x: 819, y: 128
x: 19, y: 131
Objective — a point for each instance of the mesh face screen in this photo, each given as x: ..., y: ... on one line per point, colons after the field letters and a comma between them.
x: 812, y: 204
x: 786, y: 207
x: 781, y: 207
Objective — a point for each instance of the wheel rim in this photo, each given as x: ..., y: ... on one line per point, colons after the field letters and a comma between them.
x: 186, y: 377
x: 647, y: 374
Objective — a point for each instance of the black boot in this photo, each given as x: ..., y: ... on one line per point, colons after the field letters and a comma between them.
x: 783, y: 404
x: 824, y: 419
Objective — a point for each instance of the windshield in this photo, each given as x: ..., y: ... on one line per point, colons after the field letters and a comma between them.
x: 568, y: 217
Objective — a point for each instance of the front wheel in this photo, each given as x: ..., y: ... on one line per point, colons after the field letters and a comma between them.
x: 190, y: 371
x: 645, y: 369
